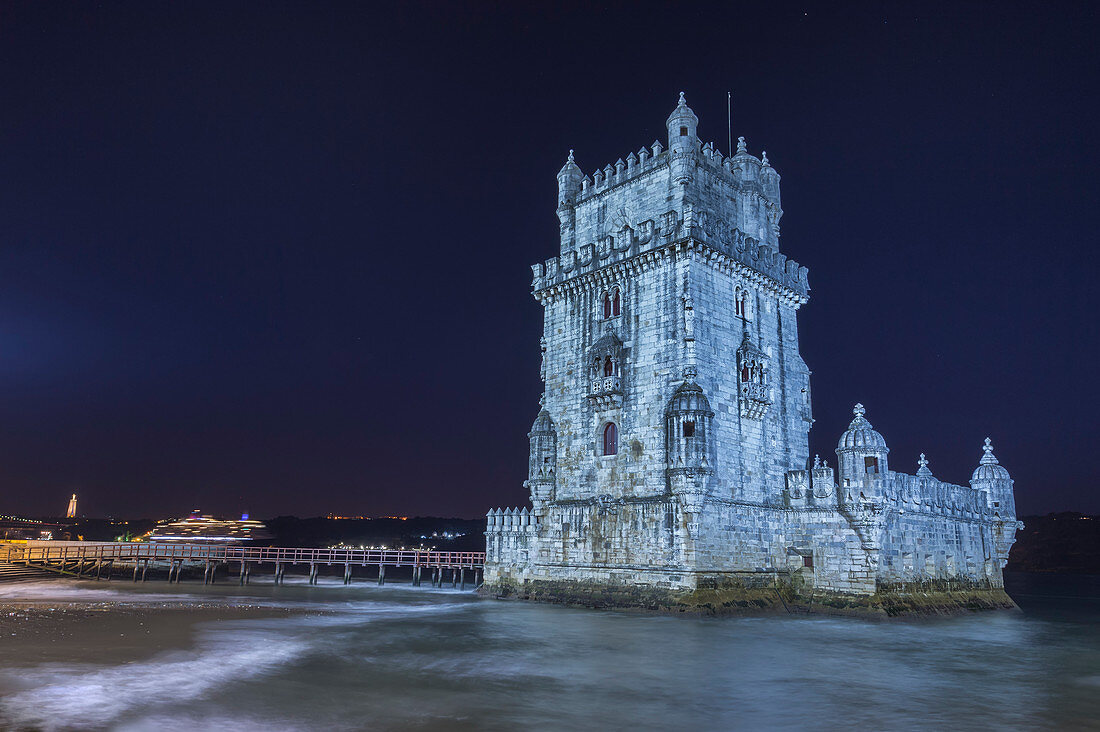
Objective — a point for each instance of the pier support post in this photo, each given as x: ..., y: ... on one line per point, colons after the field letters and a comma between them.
x: 206, y: 574
x: 137, y: 565
x: 463, y: 570
x: 278, y: 573
x: 244, y: 572
x: 312, y: 573
x: 144, y: 569
x: 454, y: 577
x: 381, y: 574
x: 347, y: 574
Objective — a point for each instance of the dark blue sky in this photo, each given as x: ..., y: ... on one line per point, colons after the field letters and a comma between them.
x: 275, y: 257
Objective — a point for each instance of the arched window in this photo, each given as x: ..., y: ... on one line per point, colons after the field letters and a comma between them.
x: 689, y: 428
x: 738, y: 304
x: 745, y: 373
x: 612, y: 304
x: 608, y: 367
x: 610, y: 439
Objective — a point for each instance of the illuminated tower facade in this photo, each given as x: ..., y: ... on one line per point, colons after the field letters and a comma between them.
x: 671, y: 449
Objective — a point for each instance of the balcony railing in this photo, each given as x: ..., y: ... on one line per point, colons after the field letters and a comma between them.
x: 756, y: 392
x: 606, y: 385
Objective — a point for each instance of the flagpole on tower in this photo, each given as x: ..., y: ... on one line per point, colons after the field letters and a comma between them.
x: 729, y: 125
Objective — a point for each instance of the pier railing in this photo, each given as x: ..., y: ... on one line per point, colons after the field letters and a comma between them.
x: 79, y: 555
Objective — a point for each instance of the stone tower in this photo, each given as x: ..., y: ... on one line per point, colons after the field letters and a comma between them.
x: 671, y: 449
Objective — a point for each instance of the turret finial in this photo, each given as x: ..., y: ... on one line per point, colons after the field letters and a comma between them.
x: 988, y: 458
x: 817, y: 461
x: 571, y: 155
x: 858, y: 410
x: 682, y: 101
x: 764, y: 157
x: 741, y: 146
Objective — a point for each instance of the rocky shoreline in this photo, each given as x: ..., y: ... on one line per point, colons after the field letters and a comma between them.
x: 731, y: 598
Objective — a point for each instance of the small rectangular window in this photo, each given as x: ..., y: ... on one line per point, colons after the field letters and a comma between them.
x: 689, y: 429
x: 683, y: 132
x: 871, y: 463
x: 808, y: 561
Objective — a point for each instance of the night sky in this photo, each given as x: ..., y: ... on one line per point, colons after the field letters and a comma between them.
x: 275, y: 257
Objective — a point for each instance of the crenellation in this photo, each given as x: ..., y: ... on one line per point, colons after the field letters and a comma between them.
x: 671, y: 450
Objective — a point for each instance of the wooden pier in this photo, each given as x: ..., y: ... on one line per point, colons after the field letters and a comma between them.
x: 98, y: 559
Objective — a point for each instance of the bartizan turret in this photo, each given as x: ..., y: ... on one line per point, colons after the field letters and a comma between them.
x: 542, y: 469
x: 861, y: 455
x: 861, y: 458
x: 683, y: 144
x: 992, y: 478
x: 569, y: 186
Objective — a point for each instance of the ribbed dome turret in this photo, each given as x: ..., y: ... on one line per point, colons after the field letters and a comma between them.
x: 688, y: 398
x: 989, y: 468
x: 861, y: 435
x: 543, y: 424
x: 570, y: 169
x: 682, y: 115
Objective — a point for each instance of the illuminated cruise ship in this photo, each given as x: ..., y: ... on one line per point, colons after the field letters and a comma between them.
x: 200, y: 528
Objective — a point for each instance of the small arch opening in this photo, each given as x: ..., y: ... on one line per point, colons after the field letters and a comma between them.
x: 689, y: 428
x: 608, y: 367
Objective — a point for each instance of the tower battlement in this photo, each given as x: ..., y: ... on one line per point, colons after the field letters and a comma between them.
x: 756, y: 262
x: 744, y: 171
x: 740, y: 192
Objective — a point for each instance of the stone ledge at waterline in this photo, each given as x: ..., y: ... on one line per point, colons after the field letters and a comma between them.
x: 724, y: 596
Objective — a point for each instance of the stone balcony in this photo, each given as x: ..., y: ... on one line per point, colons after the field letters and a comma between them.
x: 755, y: 400
x: 606, y: 389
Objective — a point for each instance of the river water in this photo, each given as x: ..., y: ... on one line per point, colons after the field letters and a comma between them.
x: 160, y: 657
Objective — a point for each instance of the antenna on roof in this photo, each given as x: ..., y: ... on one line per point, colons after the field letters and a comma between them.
x: 729, y: 126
